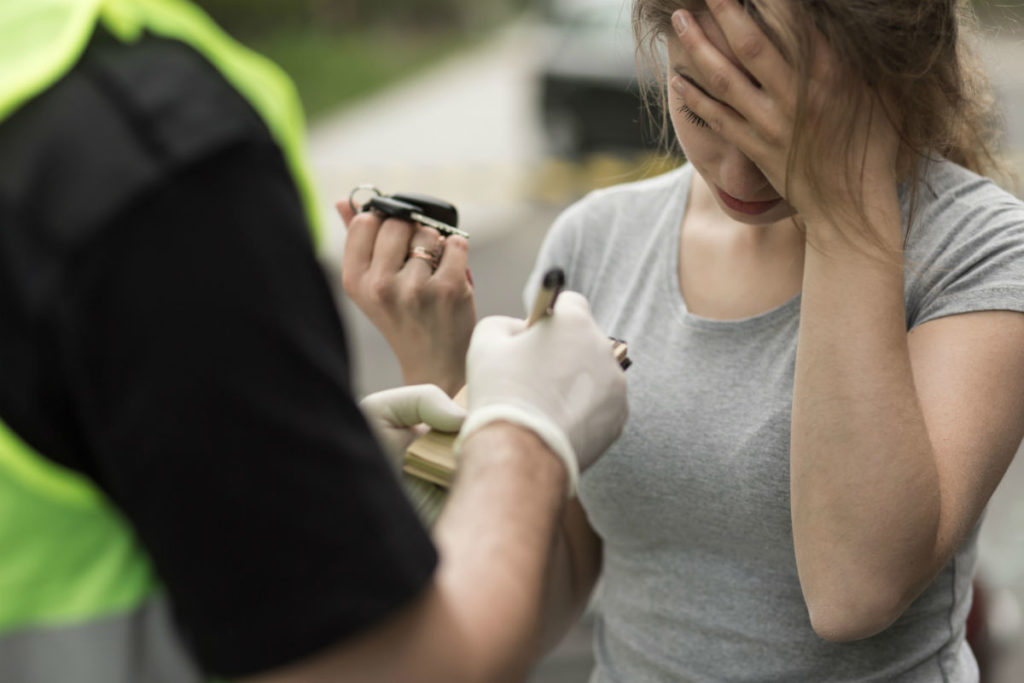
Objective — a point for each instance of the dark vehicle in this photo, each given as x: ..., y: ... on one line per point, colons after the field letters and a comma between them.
x: 589, y: 97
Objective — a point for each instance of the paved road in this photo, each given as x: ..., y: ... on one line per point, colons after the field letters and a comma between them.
x: 468, y: 131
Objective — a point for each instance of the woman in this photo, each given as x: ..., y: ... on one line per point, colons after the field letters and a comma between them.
x: 825, y: 309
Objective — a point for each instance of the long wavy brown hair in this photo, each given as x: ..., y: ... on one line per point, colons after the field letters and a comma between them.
x: 911, y: 53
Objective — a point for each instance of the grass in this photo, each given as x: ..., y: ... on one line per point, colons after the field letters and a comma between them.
x: 331, y: 69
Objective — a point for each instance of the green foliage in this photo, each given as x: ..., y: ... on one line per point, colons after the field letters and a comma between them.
x: 339, y: 50
x: 260, y: 16
x: 330, y: 69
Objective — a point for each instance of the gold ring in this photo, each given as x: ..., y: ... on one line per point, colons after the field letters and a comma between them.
x: 431, y: 257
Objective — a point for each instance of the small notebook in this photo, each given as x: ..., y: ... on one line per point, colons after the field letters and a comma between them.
x: 429, y: 468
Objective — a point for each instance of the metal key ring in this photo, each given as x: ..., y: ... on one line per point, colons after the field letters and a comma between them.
x: 359, y: 188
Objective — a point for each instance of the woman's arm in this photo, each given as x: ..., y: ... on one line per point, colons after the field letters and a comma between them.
x: 897, y: 440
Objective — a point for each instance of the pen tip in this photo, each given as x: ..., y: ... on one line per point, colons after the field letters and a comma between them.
x: 554, y: 279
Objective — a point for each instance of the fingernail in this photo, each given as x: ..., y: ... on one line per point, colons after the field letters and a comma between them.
x: 678, y: 84
x: 679, y: 21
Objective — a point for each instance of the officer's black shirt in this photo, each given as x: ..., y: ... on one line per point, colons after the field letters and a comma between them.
x: 165, y: 329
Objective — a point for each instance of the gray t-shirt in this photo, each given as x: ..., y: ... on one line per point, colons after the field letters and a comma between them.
x: 699, y: 580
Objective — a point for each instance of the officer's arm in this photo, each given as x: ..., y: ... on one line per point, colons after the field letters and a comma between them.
x: 544, y: 403
x: 479, y: 617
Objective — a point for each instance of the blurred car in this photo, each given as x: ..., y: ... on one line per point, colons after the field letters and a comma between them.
x: 589, y: 98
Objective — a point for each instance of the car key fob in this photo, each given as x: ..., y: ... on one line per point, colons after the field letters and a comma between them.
x: 420, y: 208
x: 435, y: 208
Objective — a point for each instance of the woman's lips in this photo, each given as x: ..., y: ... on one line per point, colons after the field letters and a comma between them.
x: 750, y: 208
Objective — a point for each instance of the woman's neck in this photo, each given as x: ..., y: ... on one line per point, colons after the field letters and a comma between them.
x: 728, y: 232
x: 729, y: 269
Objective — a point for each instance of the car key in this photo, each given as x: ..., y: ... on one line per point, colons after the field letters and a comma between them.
x: 431, y: 207
x: 420, y: 208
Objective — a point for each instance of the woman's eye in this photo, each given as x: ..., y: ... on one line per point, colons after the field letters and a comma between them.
x: 691, y: 117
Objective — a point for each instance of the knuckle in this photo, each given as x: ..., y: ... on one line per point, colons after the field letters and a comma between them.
x: 408, y: 295
x: 363, y: 221
x: 715, y: 123
x: 719, y: 82
x: 774, y: 135
x: 749, y: 47
x: 396, y: 226
x: 349, y: 282
x: 380, y: 291
x: 446, y: 291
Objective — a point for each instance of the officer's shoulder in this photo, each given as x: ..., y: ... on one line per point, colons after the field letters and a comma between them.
x: 122, y: 121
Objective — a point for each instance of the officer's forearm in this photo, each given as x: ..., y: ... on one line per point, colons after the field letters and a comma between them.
x: 495, y: 538
x: 479, y: 620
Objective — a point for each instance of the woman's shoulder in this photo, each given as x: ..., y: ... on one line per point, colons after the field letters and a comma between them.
x: 946, y: 183
x: 965, y: 248
x: 953, y: 205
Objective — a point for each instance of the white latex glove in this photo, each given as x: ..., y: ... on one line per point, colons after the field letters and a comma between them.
x: 397, y: 416
x: 557, y: 378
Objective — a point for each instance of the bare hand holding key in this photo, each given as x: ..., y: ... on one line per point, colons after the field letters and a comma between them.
x: 425, y: 313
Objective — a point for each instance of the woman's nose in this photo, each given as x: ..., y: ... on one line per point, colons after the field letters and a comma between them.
x: 743, y: 179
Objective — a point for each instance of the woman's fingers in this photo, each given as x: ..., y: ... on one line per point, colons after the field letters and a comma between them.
x: 752, y: 48
x: 454, y: 260
x: 359, y: 243
x: 425, y: 249
x: 346, y: 210
x: 391, y: 247
x: 715, y: 74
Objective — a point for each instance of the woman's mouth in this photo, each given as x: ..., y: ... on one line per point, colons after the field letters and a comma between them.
x: 749, y: 208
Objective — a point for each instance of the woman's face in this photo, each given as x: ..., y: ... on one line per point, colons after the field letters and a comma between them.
x: 739, y: 187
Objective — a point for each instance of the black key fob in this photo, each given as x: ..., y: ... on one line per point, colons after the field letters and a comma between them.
x: 432, y: 207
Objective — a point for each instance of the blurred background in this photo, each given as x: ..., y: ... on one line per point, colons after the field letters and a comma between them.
x: 512, y: 109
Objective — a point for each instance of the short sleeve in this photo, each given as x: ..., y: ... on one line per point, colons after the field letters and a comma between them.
x: 965, y: 249
x: 206, y: 362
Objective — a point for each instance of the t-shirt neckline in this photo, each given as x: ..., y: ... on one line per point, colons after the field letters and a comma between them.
x: 673, y: 234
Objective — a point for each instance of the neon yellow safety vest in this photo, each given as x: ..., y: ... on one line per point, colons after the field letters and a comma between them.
x: 76, y: 588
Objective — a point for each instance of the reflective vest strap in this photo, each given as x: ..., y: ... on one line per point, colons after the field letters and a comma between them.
x: 266, y: 87
x: 68, y: 554
x: 47, y: 478
x: 40, y: 41
x: 137, y: 646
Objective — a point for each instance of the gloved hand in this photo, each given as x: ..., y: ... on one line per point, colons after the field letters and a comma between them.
x: 397, y: 416
x: 557, y: 378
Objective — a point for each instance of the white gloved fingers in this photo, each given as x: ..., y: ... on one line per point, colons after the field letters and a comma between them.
x: 397, y: 416
x: 496, y: 327
x: 572, y: 303
x: 437, y: 410
x: 557, y: 378
x: 414, y: 404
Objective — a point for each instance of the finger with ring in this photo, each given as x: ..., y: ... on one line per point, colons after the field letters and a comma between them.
x: 433, y: 257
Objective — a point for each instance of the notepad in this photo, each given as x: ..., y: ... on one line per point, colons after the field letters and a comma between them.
x: 431, y: 457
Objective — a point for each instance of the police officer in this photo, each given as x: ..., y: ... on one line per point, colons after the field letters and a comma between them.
x: 187, y: 488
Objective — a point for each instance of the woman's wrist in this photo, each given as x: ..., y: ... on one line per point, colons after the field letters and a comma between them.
x: 873, y: 226
x: 449, y: 379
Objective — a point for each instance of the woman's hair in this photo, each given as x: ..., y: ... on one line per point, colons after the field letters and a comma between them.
x: 909, y: 52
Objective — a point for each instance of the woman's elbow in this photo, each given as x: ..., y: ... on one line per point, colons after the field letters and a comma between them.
x: 854, y: 615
